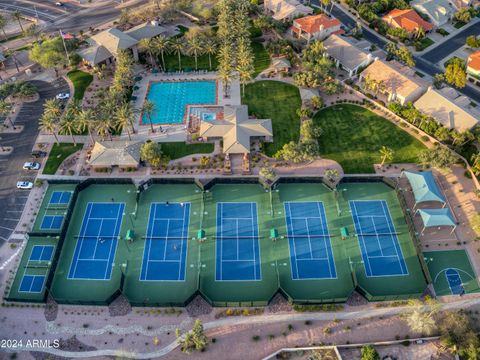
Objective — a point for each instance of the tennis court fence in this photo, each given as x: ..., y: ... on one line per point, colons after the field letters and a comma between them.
x: 371, y: 297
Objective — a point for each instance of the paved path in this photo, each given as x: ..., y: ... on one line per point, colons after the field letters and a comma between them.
x: 257, y: 320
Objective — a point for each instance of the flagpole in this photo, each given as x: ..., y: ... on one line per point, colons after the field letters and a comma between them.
x: 64, y: 46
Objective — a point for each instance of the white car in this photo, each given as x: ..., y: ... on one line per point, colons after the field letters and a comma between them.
x: 25, y: 185
x: 63, y: 96
x: 31, y: 166
x: 58, y: 3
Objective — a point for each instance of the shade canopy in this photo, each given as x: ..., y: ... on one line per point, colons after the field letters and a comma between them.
x: 424, y: 187
x: 436, y: 217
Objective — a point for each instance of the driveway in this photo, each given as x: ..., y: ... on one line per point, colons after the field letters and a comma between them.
x: 12, y: 201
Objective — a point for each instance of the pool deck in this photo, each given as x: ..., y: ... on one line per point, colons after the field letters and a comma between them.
x: 174, y: 132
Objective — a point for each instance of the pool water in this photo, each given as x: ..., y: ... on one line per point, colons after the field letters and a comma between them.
x: 171, y: 99
x: 209, y: 116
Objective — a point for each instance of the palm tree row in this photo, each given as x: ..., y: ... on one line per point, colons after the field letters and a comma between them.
x: 94, y: 121
x: 195, y: 46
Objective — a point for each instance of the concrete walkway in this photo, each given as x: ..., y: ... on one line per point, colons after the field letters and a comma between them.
x: 258, y: 320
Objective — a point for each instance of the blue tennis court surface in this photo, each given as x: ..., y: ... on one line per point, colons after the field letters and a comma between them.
x: 51, y: 222
x: 166, y: 242
x: 309, y: 241
x: 378, y: 241
x: 32, y: 283
x: 41, y: 253
x: 60, y: 197
x: 237, y: 247
x: 97, y: 242
x: 454, y: 282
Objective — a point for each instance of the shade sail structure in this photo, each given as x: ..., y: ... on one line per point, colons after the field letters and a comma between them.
x: 424, y: 187
x: 436, y: 217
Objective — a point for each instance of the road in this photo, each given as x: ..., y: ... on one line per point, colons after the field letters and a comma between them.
x: 41, y: 9
x: 12, y: 201
x: 422, y: 64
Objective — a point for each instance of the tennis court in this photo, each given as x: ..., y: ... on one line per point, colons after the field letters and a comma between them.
x: 309, y: 241
x: 60, y: 197
x: 166, y: 242
x: 41, y: 253
x: 237, y: 247
x: 97, y: 242
x: 51, y: 222
x: 454, y: 282
x: 32, y: 283
x: 379, y: 244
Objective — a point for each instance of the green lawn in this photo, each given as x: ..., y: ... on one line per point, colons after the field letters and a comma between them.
x: 277, y: 101
x: 353, y: 136
x: 176, y: 150
x: 262, y: 60
x: 59, y: 153
x: 423, y: 43
x: 80, y: 80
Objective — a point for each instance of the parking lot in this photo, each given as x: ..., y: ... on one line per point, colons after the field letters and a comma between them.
x: 12, y: 200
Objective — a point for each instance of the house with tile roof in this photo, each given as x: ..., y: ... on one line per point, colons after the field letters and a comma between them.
x: 407, y: 19
x: 448, y: 108
x: 315, y: 27
x: 398, y: 82
x: 284, y: 10
x: 473, y: 65
x: 346, y: 55
x: 439, y: 11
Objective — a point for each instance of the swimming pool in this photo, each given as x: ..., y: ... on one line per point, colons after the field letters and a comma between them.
x: 171, y: 98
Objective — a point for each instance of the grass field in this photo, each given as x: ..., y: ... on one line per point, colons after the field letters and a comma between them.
x: 59, y: 153
x: 176, y: 150
x: 277, y: 101
x: 353, y: 136
x: 423, y: 43
x: 80, y: 80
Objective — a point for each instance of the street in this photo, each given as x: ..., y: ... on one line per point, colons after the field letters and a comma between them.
x: 12, y: 200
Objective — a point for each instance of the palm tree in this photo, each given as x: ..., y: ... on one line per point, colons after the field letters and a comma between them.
x: 86, y: 120
x: 419, y: 33
x: 5, y: 109
x: 245, y: 66
x: 161, y: 45
x: 104, y: 128
x: 476, y: 164
x: 146, y: 45
x: 421, y: 322
x: 3, y: 24
x: 457, y: 137
x: 386, y: 153
x: 123, y: 118
x: 52, y: 108
x: 177, y: 46
x: 68, y: 125
x: 17, y: 15
x: 148, y: 109
x: 210, y: 48
x: 48, y: 124
x: 194, y: 47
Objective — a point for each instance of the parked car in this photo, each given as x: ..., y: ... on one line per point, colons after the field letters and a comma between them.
x: 24, y: 185
x: 31, y: 166
x: 58, y: 3
x: 39, y: 153
x: 62, y: 96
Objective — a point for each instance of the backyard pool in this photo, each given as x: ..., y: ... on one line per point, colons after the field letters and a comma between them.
x: 171, y: 98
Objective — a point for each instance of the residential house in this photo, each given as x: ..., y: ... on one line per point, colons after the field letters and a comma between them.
x: 407, y: 19
x: 315, y: 27
x: 439, y: 11
x: 397, y: 82
x: 280, y: 64
x: 346, y: 55
x: 121, y: 154
x: 105, y: 45
x: 285, y: 10
x: 473, y: 65
x: 449, y: 109
x: 236, y: 129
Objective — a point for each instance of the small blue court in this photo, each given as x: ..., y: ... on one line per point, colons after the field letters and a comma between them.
x: 52, y: 222
x: 378, y: 241
x: 60, y: 198
x: 454, y: 282
x: 41, y: 253
x: 32, y: 283
x: 164, y: 256
x: 97, y: 242
x: 237, y: 243
x: 309, y: 242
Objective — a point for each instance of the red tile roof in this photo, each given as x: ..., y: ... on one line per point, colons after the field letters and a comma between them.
x: 474, y: 61
x: 407, y: 19
x: 311, y: 24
